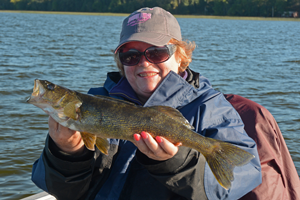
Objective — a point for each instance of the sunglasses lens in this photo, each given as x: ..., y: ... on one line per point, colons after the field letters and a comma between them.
x: 157, y: 54
x: 130, y: 57
x: 153, y: 54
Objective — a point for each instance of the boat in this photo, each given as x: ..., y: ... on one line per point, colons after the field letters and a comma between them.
x: 40, y: 196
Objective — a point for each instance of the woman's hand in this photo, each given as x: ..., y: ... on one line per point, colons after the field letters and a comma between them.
x: 66, y: 139
x: 157, y: 149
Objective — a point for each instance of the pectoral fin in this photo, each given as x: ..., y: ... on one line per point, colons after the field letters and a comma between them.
x: 89, y: 140
x: 102, y: 144
x: 71, y: 109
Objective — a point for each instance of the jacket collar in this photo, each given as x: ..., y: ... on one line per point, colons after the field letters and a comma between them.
x: 174, y: 91
x: 124, y: 89
x: 171, y: 92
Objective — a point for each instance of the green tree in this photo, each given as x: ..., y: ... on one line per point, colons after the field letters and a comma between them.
x: 206, y: 7
x: 6, y: 5
x: 219, y: 7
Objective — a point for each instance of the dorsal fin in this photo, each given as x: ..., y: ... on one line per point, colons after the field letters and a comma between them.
x: 174, y: 114
x: 114, y: 99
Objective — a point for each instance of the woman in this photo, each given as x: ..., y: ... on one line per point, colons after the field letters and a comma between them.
x: 153, y: 62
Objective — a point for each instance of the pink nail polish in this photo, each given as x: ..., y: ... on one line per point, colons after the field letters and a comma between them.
x: 144, y: 134
x: 137, y: 137
x: 158, y: 139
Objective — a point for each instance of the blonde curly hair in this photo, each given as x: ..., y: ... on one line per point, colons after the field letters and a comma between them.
x: 183, y: 53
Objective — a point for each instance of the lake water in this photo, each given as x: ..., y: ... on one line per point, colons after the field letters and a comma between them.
x: 259, y: 60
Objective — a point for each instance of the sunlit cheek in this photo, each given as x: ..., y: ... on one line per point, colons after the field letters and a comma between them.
x: 166, y: 71
x: 169, y: 65
x: 128, y: 72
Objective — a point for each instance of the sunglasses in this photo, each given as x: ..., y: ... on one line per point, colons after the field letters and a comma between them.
x: 153, y: 54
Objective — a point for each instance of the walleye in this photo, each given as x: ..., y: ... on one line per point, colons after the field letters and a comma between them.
x: 100, y: 117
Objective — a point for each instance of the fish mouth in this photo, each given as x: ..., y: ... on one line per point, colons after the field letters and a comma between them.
x: 38, y: 92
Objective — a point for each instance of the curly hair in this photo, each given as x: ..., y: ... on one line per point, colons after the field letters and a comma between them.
x: 183, y: 53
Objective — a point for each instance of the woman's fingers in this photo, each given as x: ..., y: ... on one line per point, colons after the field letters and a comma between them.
x: 66, y: 139
x: 53, y: 125
x: 157, y: 149
x: 142, y: 142
x: 168, y: 147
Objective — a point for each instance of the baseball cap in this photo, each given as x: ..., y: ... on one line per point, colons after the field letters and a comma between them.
x: 154, y: 26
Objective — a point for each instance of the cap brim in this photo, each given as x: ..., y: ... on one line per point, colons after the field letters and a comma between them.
x: 150, y: 38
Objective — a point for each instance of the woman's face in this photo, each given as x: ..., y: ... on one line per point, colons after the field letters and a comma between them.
x: 145, y: 77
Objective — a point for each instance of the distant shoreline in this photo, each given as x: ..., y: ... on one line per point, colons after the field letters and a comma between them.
x: 178, y: 16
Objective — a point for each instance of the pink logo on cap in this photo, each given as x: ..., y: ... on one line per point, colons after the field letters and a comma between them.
x: 138, y: 18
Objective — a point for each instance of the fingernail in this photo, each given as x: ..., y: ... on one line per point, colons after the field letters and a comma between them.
x: 137, y: 137
x: 178, y: 144
x: 144, y: 134
x: 158, y: 139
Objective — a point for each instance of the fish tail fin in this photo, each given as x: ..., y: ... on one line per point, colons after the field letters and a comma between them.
x: 222, y: 159
x: 91, y: 140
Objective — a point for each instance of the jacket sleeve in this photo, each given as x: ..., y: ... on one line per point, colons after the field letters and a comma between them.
x: 63, y: 178
x: 224, y: 123
x: 182, y: 174
x: 187, y: 173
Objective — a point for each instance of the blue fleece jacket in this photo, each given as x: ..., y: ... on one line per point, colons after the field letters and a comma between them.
x: 206, y: 109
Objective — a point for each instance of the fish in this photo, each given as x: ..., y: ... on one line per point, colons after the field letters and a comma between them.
x: 99, y: 118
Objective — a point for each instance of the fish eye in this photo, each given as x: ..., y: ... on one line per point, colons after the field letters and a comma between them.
x: 50, y: 86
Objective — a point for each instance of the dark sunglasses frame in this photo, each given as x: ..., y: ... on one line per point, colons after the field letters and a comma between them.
x: 170, y: 48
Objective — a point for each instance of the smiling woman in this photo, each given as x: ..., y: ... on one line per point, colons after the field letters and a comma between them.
x: 145, y: 76
x: 153, y: 74
x: 183, y: 54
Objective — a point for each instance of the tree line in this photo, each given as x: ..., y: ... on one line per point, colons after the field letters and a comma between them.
x: 262, y: 8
